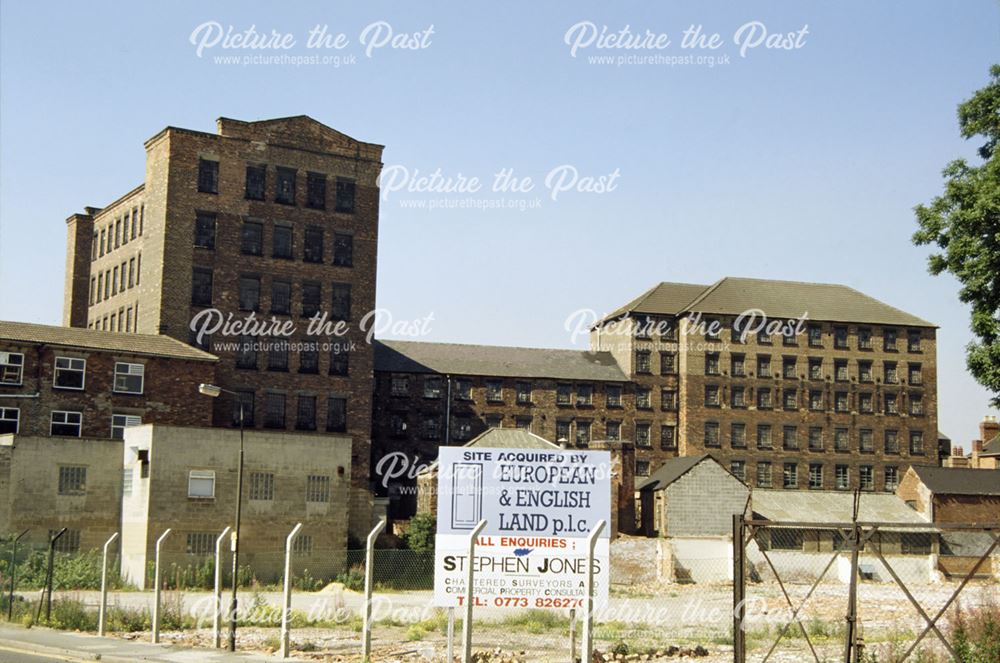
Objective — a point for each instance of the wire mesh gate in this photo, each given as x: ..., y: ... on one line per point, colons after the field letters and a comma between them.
x: 814, y: 587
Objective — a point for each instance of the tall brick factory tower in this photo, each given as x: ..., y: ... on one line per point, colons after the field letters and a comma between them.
x: 278, y: 218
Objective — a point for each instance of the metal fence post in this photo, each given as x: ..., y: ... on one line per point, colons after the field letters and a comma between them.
x: 588, y: 619
x: 470, y: 577
x: 48, y: 574
x: 286, y: 601
x: 13, y: 570
x: 852, y: 594
x: 156, y: 587
x: 217, y: 615
x: 852, y: 598
x: 739, y: 589
x: 366, y: 638
x: 102, y: 611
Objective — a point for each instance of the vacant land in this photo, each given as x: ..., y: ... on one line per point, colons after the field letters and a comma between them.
x: 665, y: 625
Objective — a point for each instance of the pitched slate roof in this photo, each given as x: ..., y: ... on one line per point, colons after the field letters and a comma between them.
x: 959, y: 480
x: 92, y: 339
x: 664, y: 298
x: 672, y: 470
x: 790, y: 299
x: 503, y: 438
x: 510, y: 438
x: 821, y: 506
x: 494, y: 360
x: 777, y: 299
x: 991, y: 448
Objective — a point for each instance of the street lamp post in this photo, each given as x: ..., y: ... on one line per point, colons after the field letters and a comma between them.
x: 214, y: 392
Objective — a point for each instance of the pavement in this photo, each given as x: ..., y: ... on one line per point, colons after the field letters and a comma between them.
x: 42, y: 645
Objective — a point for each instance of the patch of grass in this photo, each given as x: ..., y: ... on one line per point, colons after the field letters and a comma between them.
x: 70, y: 614
x: 415, y: 633
x: 536, y: 621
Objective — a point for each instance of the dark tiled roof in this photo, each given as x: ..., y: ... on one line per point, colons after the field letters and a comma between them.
x: 670, y: 471
x: 503, y: 438
x: 664, y: 299
x: 959, y: 480
x: 494, y: 360
x: 777, y: 299
x: 791, y: 299
x: 510, y: 438
x: 92, y: 339
x: 991, y: 448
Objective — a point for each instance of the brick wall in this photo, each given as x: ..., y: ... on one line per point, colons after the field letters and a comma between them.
x: 169, y: 202
x: 543, y: 412
x: 169, y: 390
x: 77, y: 278
x: 967, y: 508
x: 691, y: 380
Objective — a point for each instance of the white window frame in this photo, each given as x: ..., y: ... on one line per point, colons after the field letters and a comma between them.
x: 53, y: 422
x: 130, y: 420
x: 130, y: 370
x: 201, y: 475
x: 57, y: 369
x: 5, y: 363
x: 4, y: 416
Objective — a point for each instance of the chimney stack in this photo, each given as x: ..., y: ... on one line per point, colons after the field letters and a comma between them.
x: 989, y: 428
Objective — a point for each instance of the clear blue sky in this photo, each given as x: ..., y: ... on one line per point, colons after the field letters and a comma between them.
x: 801, y: 164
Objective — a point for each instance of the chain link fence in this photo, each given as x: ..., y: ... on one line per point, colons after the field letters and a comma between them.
x: 926, y: 594
x: 668, y: 598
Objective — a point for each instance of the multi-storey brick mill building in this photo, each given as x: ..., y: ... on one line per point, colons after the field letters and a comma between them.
x: 818, y: 387
x: 279, y: 219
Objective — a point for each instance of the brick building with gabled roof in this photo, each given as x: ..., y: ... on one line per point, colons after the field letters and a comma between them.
x: 71, y: 382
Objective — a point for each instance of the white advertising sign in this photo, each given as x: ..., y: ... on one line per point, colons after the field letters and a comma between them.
x: 519, y: 572
x: 539, y: 506
x: 529, y: 492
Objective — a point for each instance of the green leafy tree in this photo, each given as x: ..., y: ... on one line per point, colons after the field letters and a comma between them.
x: 419, y: 534
x: 964, y: 223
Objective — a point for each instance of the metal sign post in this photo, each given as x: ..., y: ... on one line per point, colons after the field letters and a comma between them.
x: 451, y: 635
x: 470, y: 598
x: 588, y: 620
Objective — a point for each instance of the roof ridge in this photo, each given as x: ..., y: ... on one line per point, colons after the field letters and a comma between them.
x: 385, y: 341
x: 99, y: 339
x: 638, y: 301
x: 709, y: 290
x: 793, y: 281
